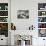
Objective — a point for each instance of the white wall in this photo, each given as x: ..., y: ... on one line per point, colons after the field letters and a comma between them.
x: 32, y: 6
x: 23, y: 24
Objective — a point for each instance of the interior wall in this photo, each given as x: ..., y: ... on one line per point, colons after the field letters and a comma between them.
x: 23, y: 24
x: 32, y: 6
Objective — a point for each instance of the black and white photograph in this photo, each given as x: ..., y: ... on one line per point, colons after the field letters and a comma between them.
x: 41, y: 13
x: 42, y: 33
x: 23, y: 14
x: 41, y: 19
x: 41, y: 6
x: 3, y: 13
x: 3, y: 19
x: 3, y: 6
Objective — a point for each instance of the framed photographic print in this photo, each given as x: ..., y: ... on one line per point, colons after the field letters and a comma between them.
x: 3, y: 6
x: 41, y: 19
x: 3, y: 19
x: 3, y: 13
x: 41, y: 6
x: 4, y: 29
x: 23, y: 14
x: 42, y: 32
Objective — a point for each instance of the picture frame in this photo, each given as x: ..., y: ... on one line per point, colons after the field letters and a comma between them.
x: 23, y: 14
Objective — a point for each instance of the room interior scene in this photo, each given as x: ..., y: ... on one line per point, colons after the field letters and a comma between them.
x: 22, y: 23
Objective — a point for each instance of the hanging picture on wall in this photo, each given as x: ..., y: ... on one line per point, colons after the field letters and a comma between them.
x: 4, y: 29
x: 42, y: 6
x: 42, y: 32
x: 3, y: 13
x: 23, y: 14
x: 3, y: 19
x: 41, y: 19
